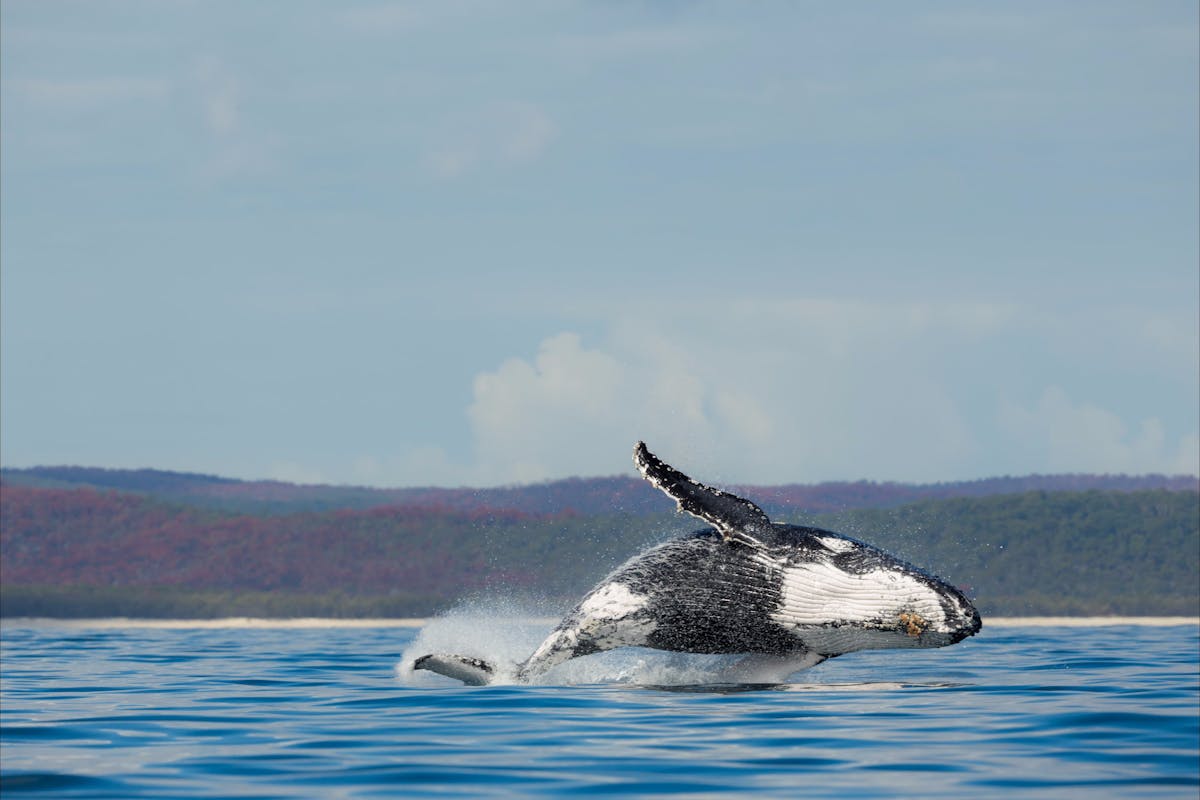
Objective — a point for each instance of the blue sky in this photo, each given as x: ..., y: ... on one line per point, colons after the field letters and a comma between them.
x: 481, y: 243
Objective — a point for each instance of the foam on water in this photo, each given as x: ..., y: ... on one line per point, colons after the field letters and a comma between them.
x: 498, y: 632
x: 504, y: 633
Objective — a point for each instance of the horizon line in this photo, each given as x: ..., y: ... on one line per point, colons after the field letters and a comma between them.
x: 618, y: 476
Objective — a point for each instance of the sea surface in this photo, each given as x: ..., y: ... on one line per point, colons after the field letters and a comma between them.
x: 245, y: 710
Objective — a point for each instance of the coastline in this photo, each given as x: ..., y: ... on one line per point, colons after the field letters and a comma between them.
x: 417, y: 622
x: 1085, y: 622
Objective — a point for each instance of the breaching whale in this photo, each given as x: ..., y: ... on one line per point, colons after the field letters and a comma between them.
x: 786, y: 596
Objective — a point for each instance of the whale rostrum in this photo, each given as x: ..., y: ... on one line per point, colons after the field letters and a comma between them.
x: 786, y: 597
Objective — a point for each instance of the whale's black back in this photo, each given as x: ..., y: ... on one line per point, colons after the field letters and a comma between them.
x: 708, y: 596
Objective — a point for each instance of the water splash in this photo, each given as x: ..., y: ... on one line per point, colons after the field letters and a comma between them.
x: 504, y: 632
x: 500, y: 631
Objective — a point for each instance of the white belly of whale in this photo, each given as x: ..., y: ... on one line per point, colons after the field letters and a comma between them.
x: 818, y: 592
x: 840, y: 611
x: 610, y: 616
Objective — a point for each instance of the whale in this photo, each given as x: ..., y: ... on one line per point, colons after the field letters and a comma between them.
x: 783, y: 597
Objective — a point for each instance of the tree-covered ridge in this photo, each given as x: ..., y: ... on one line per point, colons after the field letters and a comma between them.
x: 627, y: 495
x: 87, y: 538
x: 95, y: 553
x: 1052, y: 552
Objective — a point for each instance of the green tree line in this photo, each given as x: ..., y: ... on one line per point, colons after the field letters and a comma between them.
x: 70, y: 553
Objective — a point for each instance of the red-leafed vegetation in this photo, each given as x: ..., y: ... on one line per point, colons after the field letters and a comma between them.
x: 82, y: 536
x: 592, y: 496
x: 89, y: 552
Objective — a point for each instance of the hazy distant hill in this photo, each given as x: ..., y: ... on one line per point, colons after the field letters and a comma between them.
x: 626, y: 495
x: 83, y: 552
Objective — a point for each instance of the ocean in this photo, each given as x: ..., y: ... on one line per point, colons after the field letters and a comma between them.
x: 241, y: 709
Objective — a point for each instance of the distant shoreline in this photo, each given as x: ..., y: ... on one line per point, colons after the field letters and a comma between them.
x: 417, y: 622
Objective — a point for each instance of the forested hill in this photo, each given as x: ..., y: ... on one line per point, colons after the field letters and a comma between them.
x: 83, y: 552
x: 626, y: 495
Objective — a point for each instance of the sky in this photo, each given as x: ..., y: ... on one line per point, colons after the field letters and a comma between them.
x: 490, y: 243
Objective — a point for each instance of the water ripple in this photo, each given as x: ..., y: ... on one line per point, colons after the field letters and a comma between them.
x: 238, y: 713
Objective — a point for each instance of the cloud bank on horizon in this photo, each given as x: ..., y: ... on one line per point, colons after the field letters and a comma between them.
x: 832, y: 390
x: 468, y: 243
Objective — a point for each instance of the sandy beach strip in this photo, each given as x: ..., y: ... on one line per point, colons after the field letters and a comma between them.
x: 225, y: 622
x: 1085, y: 622
x: 417, y: 622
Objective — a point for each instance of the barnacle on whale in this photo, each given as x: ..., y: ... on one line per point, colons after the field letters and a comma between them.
x: 914, y: 624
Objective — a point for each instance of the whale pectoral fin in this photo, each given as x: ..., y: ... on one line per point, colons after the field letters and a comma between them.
x: 735, y: 518
x: 471, y: 671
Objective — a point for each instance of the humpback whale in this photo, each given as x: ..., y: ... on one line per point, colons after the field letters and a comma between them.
x: 786, y: 597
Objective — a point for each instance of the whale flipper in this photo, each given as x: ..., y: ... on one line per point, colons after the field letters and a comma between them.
x: 471, y: 671
x: 735, y: 518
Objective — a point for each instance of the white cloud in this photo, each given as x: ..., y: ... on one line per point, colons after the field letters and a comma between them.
x: 218, y: 94
x: 1173, y: 337
x: 527, y: 416
x: 1063, y: 436
x: 1187, y: 462
x: 294, y: 472
x: 792, y: 390
x: 800, y: 390
x: 236, y: 148
x: 220, y: 106
x: 744, y: 416
x: 761, y: 395
x: 501, y: 135
x: 526, y: 132
x: 450, y: 162
x: 425, y: 465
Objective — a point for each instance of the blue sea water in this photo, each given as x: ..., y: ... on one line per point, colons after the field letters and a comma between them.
x: 333, y: 712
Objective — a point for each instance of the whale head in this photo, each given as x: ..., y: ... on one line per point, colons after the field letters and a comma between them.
x: 839, y: 595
